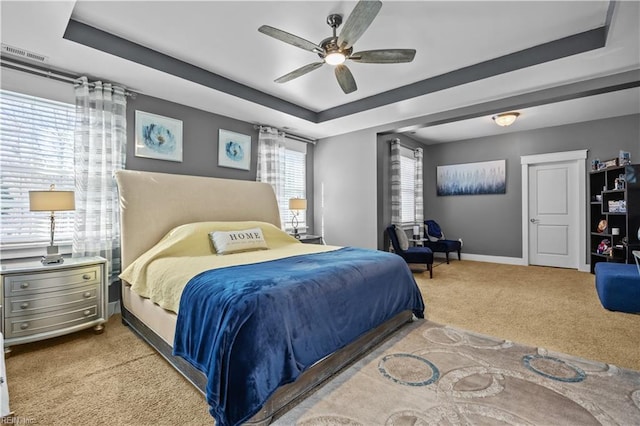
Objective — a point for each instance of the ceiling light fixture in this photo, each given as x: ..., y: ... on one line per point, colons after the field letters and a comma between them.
x: 335, y: 58
x: 505, y: 119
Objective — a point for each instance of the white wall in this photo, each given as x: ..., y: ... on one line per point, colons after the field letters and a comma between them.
x: 35, y: 85
x: 345, y: 189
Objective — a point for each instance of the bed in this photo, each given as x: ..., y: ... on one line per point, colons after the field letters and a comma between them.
x: 165, y: 218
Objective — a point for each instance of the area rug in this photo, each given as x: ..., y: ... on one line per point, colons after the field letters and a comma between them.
x: 431, y: 374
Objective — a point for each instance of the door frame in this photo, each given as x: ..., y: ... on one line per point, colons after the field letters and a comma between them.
x: 580, y: 213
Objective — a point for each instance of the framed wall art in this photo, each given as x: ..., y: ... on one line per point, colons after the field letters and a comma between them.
x: 158, y: 137
x: 487, y: 177
x: 234, y: 150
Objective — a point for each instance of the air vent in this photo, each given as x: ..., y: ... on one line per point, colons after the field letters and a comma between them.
x: 22, y: 53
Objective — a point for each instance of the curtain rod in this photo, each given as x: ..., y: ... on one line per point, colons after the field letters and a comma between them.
x: 289, y: 135
x: 45, y: 72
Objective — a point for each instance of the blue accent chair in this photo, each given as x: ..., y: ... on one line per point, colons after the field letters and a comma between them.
x: 433, y: 232
x: 618, y: 286
x: 412, y: 254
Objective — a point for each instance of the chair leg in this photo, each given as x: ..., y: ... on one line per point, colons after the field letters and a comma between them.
x: 446, y: 253
x: 430, y: 267
x: 458, y: 254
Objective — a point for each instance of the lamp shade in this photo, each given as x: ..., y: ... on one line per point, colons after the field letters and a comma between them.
x: 51, y: 201
x: 297, y: 204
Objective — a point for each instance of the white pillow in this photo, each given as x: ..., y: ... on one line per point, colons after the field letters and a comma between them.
x: 402, y: 238
x: 226, y: 242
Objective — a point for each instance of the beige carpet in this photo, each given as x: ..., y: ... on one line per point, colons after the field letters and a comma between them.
x: 116, y: 379
x: 553, y: 308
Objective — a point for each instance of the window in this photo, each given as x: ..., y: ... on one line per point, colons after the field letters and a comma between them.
x: 407, y: 185
x: 295, y: 181
x: 36, y: 150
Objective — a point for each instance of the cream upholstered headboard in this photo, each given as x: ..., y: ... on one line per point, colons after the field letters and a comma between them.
x: 151, y: 204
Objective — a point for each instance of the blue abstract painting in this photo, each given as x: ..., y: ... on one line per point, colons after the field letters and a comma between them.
x: 488, y: 177
x: 234, y: 150
x: 158, y: 137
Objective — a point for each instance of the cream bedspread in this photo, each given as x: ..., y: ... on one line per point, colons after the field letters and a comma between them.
x: 162, y: 272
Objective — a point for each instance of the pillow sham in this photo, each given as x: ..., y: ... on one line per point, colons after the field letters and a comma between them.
x: 226, y: 242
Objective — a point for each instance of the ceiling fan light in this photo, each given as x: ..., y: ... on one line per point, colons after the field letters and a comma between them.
x: 335, y: 58
x: 505, y: 119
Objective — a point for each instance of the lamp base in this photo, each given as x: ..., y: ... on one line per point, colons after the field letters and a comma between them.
x: 52, y: 258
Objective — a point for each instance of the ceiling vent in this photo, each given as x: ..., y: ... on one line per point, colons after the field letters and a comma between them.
x: 22, y: 53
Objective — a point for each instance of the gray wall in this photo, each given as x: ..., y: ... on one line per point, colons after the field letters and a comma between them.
x: 492, y: 224
x: 200, y: 144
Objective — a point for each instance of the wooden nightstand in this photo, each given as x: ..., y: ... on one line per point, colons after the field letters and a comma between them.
x: 311, y: 239
x: 41, y: 301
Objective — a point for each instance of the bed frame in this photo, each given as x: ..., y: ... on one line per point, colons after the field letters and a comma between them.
x: 151, y: 204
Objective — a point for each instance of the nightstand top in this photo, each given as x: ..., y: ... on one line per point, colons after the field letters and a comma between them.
x: 308, y: 237
x: 34, y: 265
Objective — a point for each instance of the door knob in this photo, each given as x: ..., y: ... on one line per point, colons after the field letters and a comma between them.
x: 533, y: 220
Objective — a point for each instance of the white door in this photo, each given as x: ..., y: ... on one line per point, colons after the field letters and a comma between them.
x: 553, y: 198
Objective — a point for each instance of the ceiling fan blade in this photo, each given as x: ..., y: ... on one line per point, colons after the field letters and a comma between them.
x: 357, y: 23
x: 384, y: 56
x: 345, y: 79
x: 290, y: 39
x: 299, y: 72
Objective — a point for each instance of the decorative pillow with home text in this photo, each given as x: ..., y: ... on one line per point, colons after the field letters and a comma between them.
x: 226, y: 242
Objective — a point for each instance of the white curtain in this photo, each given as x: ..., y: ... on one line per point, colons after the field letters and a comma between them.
x: 271, y: 163
x: 100, y: 141
x: 396, y: 178
x: 418, y: 196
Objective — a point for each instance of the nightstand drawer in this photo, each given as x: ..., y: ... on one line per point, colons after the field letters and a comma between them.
x: 53, y: 301
x: 35, y: 324
x: 40, y: 282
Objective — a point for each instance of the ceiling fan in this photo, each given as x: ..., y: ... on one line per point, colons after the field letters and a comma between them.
x: 335, y: 50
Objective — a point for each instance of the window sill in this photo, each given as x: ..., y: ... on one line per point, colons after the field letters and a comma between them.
x: 35, y: 250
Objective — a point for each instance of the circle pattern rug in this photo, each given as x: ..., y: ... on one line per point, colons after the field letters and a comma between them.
x: 429, y: 374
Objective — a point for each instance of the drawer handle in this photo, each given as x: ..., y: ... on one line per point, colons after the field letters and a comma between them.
x: 24, y: 326
x: 24, y: 305
x: 86, y: 294
x: 24, y: 285
x: 86, y: 277
x: 87, y: 313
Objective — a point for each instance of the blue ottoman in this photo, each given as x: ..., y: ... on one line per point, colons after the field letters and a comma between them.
x: 618, y: 286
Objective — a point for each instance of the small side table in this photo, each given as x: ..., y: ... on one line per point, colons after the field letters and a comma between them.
x: 418, y: 242
x: 311, y: 239
x: 41, y: 301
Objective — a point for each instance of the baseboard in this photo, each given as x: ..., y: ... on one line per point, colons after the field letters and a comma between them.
x: 114, y: 308
x: 484, y: 258
x: 585, y: 267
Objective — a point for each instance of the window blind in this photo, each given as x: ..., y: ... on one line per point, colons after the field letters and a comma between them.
x: 295, y: 181
x: 36, y: 150
x: 407, y: 185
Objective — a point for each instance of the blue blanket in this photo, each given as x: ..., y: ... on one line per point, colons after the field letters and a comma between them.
x: 252, y: 328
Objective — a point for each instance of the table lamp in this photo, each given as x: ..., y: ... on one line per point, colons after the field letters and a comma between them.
x: 51, y: 201
x: 295, y: 205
